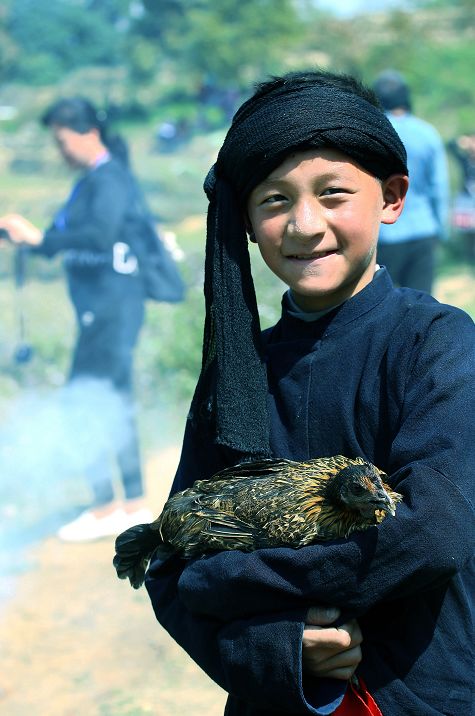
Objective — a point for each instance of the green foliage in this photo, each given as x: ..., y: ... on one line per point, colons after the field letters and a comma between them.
x: 233, y: 42
x: 56, y: 39
x: 442, y: 90
x: 432, y: 47
x: 143, y: 58
x: 197, y: 53
x: 465, y: 5
x: 228, y: 42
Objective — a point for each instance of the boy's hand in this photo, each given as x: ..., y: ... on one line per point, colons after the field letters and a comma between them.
x: 333, y: 652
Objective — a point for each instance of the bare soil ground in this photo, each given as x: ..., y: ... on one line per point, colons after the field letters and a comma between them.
x: 76, y: 640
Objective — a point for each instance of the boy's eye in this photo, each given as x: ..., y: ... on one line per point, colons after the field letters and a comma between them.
x: 273, y: 199
x: 331, y: 190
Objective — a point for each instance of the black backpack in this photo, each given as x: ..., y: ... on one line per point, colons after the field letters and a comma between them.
x: 160, y: 274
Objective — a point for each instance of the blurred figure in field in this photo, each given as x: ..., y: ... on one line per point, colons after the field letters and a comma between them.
x: 407, y: 248
x: 95, y: 230
x: 463, y: 211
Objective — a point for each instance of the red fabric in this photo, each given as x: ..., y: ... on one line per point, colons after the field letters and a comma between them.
x: 357, y: 701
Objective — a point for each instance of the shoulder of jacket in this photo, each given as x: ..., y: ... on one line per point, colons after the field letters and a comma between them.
x: 430, y: 131
x: 420, y: 309
x: 111, y: 167
x: 112, y: 171
x: 411, y: 122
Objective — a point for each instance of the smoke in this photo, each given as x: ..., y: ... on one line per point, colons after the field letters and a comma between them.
x: 48, y: 440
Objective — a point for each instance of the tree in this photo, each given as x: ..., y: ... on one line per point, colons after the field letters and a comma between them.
x: 58, y: 37
x: 229, y: 43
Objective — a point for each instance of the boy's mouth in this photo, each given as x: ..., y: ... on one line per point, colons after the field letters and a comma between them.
x: 313, y: 256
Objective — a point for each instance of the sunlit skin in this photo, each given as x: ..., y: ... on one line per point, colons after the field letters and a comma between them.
x: 330, y: 651
x: 316, y: 221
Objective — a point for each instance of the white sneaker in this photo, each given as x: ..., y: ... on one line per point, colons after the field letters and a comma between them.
x: 88, y: 527
x: 139, y: 517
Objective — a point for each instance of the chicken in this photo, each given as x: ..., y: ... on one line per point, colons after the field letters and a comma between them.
x: 271, y: 503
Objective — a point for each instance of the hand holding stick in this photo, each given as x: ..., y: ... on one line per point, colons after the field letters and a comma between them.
x: 20, y: 230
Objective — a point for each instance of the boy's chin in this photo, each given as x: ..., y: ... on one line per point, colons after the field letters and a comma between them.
x: 321, y: 298
x: 315, y: 301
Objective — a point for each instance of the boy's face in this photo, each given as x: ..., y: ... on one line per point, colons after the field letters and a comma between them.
x: 316, y: 221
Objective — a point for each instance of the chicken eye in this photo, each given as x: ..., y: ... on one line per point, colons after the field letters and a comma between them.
x: 357, y: 489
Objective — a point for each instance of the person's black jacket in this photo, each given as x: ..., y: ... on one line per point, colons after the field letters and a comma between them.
x: 99, y: 232
x: 104, y: 207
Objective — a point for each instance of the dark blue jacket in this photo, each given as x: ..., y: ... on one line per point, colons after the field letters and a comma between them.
x: 389, y: 376
x: 102, y: 212
x: 101, y: 209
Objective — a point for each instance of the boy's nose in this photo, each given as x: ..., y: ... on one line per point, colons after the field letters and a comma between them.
x: 307, y: 221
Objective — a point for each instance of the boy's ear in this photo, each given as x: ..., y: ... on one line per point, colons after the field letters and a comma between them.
x: 394, y: 193
x: 249, y: 231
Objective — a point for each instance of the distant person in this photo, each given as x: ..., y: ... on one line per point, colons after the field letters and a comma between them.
x: 407, y: 248
x: 463, y: 212
x: 95, y: 230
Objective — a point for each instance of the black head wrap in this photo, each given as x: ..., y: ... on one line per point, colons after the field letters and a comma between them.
x: 231, y: 394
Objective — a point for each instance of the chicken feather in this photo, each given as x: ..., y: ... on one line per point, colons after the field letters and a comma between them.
x: 254, y: 505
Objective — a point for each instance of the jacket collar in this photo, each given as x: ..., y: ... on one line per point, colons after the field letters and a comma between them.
x: 291, y: 328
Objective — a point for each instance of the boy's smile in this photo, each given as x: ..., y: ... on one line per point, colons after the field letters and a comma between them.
x: 316, y: 220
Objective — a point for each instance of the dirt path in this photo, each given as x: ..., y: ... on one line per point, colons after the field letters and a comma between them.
x: 76, y: 640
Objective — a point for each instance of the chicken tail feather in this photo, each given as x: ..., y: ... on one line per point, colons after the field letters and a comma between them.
x: 134, y: 547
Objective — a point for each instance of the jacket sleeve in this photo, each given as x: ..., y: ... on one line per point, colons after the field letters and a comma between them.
x: 257, y: 660
x: 428, y: 541
x: 102, y: 214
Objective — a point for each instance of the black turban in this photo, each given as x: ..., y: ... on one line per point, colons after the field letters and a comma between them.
x: 230, y: 399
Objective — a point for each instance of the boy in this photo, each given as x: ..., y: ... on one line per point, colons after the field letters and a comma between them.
x: 310, y: 168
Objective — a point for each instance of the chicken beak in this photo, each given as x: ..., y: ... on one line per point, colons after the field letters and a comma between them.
x: 387, y: 503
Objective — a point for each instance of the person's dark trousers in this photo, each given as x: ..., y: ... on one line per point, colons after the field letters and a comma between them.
x: 108, y: 333
x: 125, y: 447
x: 410, y: 263
x: 469, y: 247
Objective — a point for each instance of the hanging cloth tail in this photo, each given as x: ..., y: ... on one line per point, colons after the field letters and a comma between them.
x: 357, y: 701
x: 232, y: 389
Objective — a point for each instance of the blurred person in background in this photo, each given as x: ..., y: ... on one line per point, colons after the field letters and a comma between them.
x: 94, y: 230
x: 463, y: 212
x: 407, y: 248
